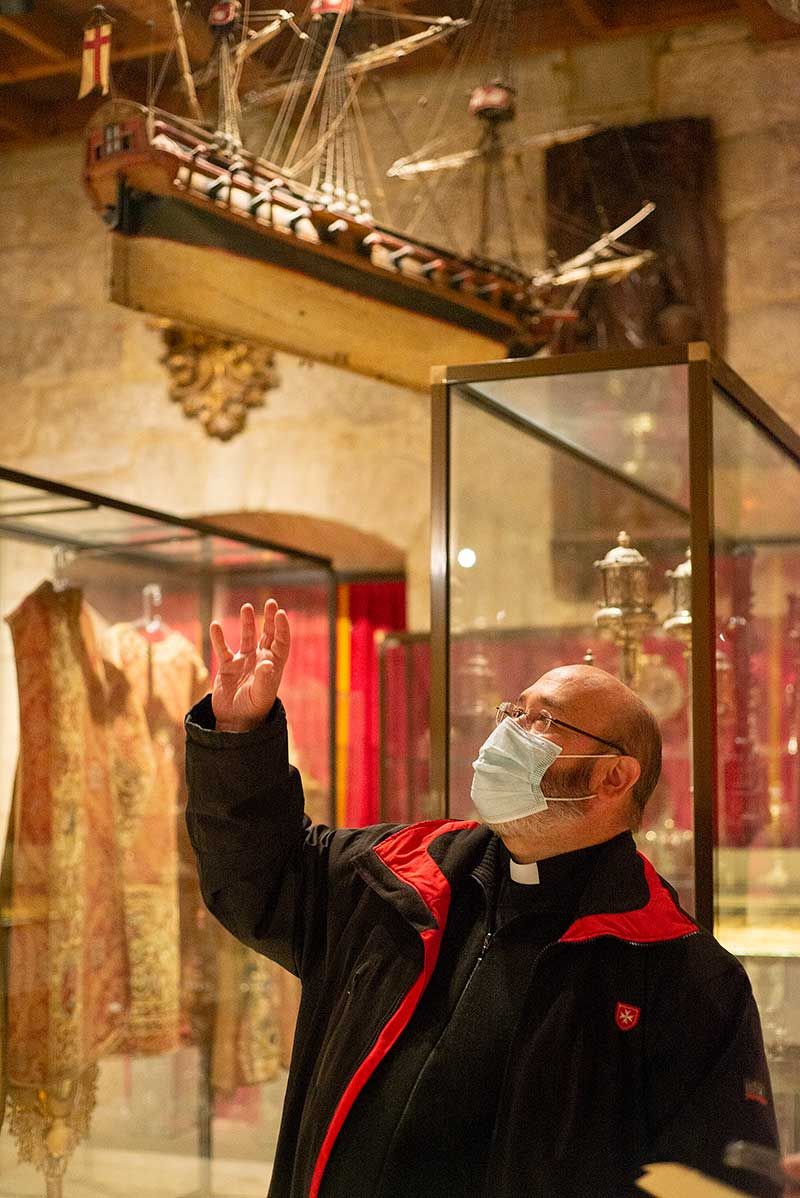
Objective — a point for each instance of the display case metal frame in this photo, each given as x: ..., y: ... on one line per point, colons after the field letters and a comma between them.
x: 705, y: 372
x: 76, y: 499
x: 68, y: 500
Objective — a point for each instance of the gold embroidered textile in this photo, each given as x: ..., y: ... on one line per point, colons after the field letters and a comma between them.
x: 67, y: 997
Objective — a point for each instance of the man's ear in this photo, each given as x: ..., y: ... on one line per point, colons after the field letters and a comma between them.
x: 621, y: 777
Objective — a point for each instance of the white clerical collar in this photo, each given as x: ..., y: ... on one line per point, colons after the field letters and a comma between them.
x: 528, y: 874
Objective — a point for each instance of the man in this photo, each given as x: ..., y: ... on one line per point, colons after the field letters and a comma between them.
x: 523, y: 1011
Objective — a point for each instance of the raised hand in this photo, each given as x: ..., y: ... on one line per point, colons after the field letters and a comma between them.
x: 247, y: 682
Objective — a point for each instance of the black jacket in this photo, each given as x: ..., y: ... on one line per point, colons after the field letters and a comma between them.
x: 640, y: 1040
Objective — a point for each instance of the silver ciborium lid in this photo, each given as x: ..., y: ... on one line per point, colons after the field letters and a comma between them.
x: 625, y: 606
x: 679, y: 621
x: 625, y: 611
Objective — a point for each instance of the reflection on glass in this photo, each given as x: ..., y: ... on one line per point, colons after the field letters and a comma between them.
x: 537, y: 519
x: 405, y: 743
x: 633, y: 421
x: 143, y: 1045
x: 757, y: 572
x: 540, y: 489
x: 757, y: 569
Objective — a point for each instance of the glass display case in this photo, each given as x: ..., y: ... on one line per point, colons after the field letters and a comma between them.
x: 144, y: 1050
x: 404, y: 745
x: 640, y: 510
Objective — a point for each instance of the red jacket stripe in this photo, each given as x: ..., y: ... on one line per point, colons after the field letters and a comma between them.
x: 659, y: 919
x: 405, y: 853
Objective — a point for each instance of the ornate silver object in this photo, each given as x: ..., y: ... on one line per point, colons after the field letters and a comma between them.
x: 679, y: 621
x: 625, y: 611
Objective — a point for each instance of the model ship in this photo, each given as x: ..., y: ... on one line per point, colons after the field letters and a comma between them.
x: 281, y: 245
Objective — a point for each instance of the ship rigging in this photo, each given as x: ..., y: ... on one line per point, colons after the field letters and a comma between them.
x: 283, y: 180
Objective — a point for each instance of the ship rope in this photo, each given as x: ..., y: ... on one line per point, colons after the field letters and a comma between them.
x: 376, y: 188
x: 240, y: 58
x: 229, y: 110
x: 174, y: 45
x: 402, y: 139
x: 319, y: 161
x: 449, y: 78
x: 318, y: 82
x: 290, y: 101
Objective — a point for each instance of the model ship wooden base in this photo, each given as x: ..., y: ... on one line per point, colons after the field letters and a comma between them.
x: 214, y: 237
x: 243, y: 298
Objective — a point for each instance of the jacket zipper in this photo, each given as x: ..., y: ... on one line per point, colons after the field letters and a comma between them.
x: 332, y: 1040
x: 487, y: 940
x: 490, y: 933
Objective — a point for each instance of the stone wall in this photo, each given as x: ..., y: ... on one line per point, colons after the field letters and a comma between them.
x: 83, y: 397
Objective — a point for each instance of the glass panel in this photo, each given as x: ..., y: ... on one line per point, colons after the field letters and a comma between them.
x: 142, y: 1045
x: 528, y: 521
x: 305, y: 688
x: 34, y: 514
x: 404, y: 665
x: 757, y: 859
x: 634, y: 421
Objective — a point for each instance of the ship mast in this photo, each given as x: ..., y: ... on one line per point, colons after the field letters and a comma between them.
x: 183, y: 59
x: 318, y: 136
x: 493, y: 103
x: 498, y: 159
x: 234, y: 43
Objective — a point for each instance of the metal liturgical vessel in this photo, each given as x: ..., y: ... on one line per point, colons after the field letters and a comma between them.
x: 625, y: 610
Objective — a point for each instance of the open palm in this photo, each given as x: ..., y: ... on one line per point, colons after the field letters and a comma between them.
x: 247, y: 682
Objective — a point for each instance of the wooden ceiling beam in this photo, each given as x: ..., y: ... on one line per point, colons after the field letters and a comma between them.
x: 47, y: 70
x: 54, y: 39
x: 199, y: 40
x: 765, y: 24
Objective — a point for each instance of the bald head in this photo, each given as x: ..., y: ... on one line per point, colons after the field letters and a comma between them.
x: 588, y: 687
x: 601, y: 705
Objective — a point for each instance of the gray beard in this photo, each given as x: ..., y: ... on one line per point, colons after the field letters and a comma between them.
x: 558, y: 815
x: 573, y: 782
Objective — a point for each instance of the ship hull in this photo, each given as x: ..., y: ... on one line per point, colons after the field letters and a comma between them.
x: 232, y: 248
x: 251, y: 299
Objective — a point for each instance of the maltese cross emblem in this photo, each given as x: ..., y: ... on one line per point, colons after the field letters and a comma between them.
x: 626, y: 1016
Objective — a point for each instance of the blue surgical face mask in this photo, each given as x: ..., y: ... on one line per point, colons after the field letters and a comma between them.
x: 508, y: 773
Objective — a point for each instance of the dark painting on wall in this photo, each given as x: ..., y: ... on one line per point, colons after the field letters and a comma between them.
x: 595, y: 184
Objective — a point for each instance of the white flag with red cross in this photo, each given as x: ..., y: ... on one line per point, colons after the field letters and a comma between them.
x: 96, y: 63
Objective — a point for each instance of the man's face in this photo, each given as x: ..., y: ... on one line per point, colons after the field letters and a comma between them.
x: 593, y: 704
x: 560, y: 695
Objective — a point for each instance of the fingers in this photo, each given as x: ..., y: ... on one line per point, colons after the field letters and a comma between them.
x: 283, y: 637
x: 220, y: 644
x: 268, y: 627
x: 275, y: 634
x: 247, y: 623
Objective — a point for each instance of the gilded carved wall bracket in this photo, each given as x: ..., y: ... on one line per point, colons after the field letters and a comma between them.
x: 216, y: 379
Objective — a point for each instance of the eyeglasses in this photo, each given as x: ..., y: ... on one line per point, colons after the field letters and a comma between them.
x: 542, y: 721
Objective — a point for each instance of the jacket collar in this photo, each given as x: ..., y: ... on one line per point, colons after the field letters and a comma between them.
x: 626, y: 898
x: 414, y: 867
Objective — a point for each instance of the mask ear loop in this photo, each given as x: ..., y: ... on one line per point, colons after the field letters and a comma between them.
x: 572, y: 757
